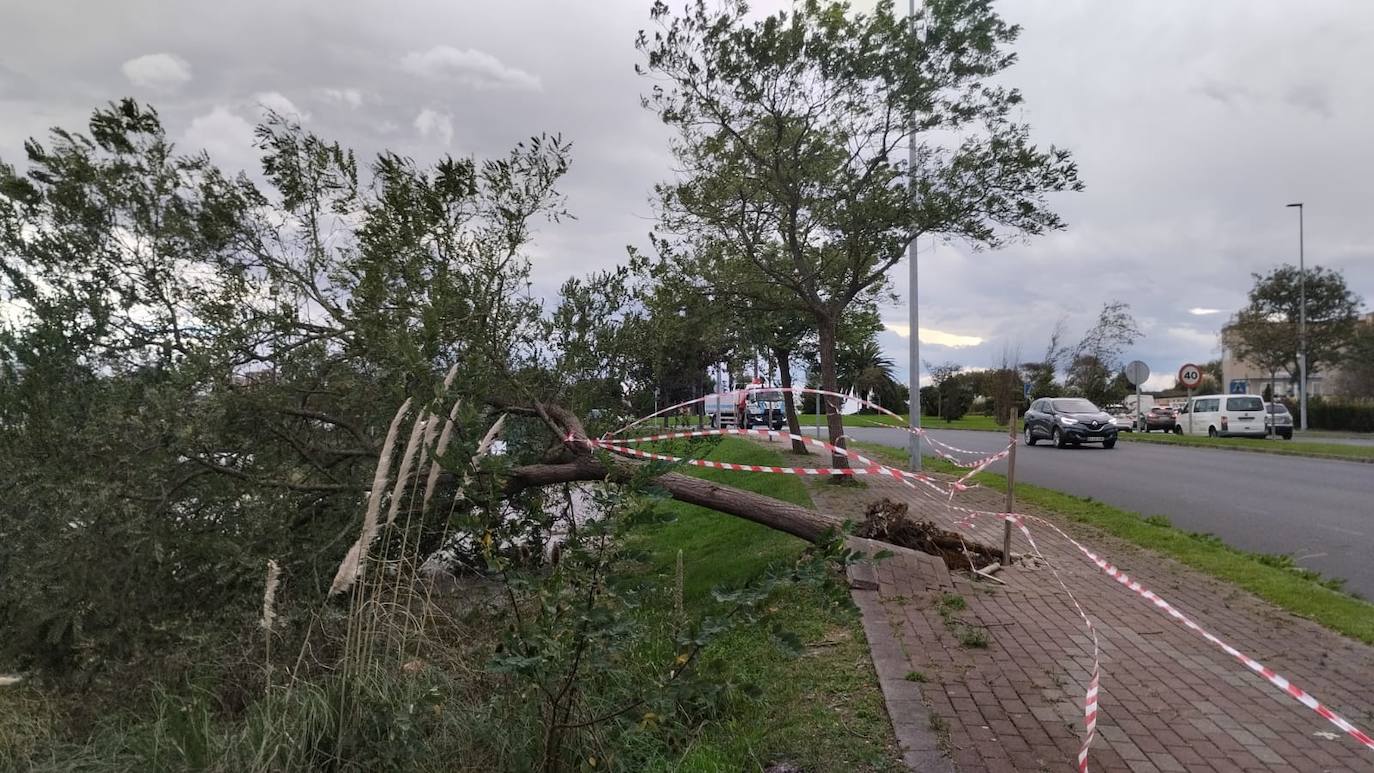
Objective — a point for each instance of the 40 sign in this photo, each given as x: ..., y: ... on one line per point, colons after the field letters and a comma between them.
x: 1190, y: 376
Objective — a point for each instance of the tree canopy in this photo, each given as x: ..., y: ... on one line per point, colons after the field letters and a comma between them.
x: 1266, y: 332
x: 794, y: 192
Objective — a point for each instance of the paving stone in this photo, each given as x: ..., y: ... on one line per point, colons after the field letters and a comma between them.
x: 1168, y: 700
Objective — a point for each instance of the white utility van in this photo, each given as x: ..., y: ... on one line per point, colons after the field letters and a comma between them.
x: 1222, y: 416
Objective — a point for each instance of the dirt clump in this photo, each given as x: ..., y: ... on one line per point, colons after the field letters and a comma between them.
x: 890, y: 521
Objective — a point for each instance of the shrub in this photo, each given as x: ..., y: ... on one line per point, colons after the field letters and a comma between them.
x: 1336, y: 414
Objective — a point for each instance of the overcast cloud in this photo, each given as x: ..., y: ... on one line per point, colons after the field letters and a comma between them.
x: 1193, y: 125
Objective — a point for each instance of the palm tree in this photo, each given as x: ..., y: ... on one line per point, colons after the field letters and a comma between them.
x: 865, y: 368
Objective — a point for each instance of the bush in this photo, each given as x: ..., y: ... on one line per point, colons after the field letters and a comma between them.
x: 1336, y: 414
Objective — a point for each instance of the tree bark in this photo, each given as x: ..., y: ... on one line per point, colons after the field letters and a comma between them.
x: 834, y: 422
x: 788, y: 401
x: 775, y: 514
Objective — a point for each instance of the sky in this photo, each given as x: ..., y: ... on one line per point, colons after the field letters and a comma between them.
x: 1193, y: 125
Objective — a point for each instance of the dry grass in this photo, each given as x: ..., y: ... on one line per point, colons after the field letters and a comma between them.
x: 357, y: 554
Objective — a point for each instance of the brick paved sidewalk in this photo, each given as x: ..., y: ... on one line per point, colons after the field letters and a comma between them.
x: 1169, y: 701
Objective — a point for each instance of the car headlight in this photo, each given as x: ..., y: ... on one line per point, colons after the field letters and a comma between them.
x: 1067, y: 420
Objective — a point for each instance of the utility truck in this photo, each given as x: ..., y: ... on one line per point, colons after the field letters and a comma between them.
x: 746, y: 408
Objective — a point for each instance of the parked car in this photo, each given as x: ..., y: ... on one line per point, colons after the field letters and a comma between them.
x: 1121, y: 417
x: 1277, y: 416
x: 1160, y: 417
x: 1222, y: 416
x: 1068, y: 421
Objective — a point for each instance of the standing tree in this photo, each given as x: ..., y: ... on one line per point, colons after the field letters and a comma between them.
x: 785, y: 334
x: 790, y: 135
x: 1263, y: 342
x: 1094, y: 362
x: 868, y: 371
x: 939, y: 375
x: 1268, y: 326
x: 1357, y: 371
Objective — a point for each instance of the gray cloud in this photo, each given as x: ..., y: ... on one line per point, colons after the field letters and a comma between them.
x: 351, y: 97
x: 1309, y: 96
x: 431, y: 123
x: 159, y: 72
x: 1193, y: 124
x: 468, y: 67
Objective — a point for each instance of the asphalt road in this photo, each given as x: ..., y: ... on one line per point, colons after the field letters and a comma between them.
x: 1317, y: 510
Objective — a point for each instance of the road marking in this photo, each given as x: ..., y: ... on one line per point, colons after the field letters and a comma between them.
x: 1339, y: 529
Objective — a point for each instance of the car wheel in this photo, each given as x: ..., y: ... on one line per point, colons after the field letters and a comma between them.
x: 1109, y: 443
x: 1211, y: 432
x: 1288, y: 436
x: 1178, y: 430
x: 1058, y: 438
x: 1030, y: 438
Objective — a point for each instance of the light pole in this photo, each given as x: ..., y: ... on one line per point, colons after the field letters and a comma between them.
x: 1302, y: 325
x: 913, y: 407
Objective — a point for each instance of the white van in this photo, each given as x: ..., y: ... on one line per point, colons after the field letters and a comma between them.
x: 1222, y: 416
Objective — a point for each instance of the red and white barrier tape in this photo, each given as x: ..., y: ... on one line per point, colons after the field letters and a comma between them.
x: 1090, y: 701
x: 1110, y: 570
x: 1089, y: 697
x: 1269, y: 675
x: 934, y: 444
x: 627, y: 451
x: 869, y: 466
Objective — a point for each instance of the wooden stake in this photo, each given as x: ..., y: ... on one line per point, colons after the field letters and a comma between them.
x: 1011, y: 486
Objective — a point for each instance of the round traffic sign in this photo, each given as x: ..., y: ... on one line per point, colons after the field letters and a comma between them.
x: 1190, y: 376
x: 1137, y: 372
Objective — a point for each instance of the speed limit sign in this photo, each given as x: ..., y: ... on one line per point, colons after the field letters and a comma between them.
x: 1190, y: 376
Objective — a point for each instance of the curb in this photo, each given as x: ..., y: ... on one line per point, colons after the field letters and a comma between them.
x: 906, y: 708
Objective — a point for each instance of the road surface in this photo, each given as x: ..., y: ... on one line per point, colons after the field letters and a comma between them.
x: 1317, y: 510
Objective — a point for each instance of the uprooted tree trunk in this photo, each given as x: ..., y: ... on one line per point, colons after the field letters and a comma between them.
x: 575, y: 461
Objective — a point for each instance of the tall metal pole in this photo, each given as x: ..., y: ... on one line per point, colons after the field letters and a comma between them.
x: 913, y: 316
x: 1302, y: 324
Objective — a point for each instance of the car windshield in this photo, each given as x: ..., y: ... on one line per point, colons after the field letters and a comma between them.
x: 1074, y: 405
x: 1244, y: 404
x: 1275, y: 408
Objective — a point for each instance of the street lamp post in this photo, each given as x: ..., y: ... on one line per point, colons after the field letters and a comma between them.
x: 1302, y: 325
x: 913, y: 407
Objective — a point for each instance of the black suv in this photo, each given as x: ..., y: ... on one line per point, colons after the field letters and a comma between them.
x: 1068, y: 421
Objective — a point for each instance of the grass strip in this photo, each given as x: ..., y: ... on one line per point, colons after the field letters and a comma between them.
x: 821, y: 710
x: 1274, y: 578
x: 1255, y: 445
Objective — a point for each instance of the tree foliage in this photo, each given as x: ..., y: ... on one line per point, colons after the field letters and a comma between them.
x: 1266, y: 332
x: 794, y: 193
x: 1357, y: 369
x: 199, y: 373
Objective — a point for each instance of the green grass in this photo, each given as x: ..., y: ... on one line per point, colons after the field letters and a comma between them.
x: 1273, y: 578
x: 971, y: 421
x: 821, y: 710
x: 752, y: 701
x: 1260, y: 445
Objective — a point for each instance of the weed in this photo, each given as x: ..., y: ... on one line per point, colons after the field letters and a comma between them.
x: 1278, y: 561
x: 953, y: 602
x: 915, y: 676
x: 973, y: 638
x: 938, y: 724
x: 1159, y: 520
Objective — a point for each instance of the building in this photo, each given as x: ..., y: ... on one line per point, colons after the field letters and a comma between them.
x: 1240, y: 377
